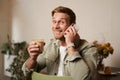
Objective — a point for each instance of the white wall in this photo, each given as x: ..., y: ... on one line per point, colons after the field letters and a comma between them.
x: 5, y: 24
x: 97, y: 20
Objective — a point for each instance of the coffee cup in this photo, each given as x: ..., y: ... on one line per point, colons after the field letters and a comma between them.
x: 40, y: 43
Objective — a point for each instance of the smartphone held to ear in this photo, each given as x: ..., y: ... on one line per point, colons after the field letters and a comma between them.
x: 73, y: 25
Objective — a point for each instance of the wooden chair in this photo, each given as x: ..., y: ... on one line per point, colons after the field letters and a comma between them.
x: 39, y: 76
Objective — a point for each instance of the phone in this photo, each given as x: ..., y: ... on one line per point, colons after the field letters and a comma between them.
x: 72, y: 25
x: 75, y: 26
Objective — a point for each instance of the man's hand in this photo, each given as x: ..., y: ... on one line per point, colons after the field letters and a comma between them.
x: 34, y: 50
x: 71, y: 37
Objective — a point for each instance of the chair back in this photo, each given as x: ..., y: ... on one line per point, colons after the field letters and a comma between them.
x: 39, y: 76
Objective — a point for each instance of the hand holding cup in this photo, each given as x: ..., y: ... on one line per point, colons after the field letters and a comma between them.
x: 35, y: 48
x: 41, y: 44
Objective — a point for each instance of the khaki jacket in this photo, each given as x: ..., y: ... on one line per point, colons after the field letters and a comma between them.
x: 81, y: 65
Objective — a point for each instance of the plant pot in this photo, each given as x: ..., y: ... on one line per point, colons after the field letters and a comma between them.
x: 8, y: 59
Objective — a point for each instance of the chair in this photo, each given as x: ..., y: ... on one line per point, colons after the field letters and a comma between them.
x: 39, y: 76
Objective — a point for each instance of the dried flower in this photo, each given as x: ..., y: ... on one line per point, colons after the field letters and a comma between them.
x: 104, y: 49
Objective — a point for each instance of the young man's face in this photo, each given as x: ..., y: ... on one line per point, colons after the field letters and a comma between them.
x: 60, y: 22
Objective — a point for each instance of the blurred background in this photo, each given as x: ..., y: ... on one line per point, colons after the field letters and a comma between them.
x: 27, y: 20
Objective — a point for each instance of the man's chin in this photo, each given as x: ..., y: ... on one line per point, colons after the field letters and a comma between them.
x: 60, y: 38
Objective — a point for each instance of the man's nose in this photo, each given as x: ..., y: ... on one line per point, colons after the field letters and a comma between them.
x: 57, y: 25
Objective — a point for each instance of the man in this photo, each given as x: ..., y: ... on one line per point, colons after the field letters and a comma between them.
x: 67, y: 54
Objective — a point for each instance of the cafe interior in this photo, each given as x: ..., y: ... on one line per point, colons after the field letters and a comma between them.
x: 22, y: 21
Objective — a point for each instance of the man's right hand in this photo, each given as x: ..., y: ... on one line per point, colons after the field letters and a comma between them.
x: 34, y: 50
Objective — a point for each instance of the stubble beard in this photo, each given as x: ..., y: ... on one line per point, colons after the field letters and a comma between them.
x: 61, y: 39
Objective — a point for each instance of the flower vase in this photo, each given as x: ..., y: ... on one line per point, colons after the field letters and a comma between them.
x: 100, y: 65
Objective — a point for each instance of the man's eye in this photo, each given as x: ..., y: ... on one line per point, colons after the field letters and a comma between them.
x: 62, y: 22
x: 54, y: 22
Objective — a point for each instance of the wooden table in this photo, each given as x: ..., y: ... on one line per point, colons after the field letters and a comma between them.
x: 110, y: 77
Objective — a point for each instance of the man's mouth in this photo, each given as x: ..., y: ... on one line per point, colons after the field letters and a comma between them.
x: 58, y: 32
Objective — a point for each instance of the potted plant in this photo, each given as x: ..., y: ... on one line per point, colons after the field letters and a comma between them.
x: 104, y: 50
x: 15, y: 55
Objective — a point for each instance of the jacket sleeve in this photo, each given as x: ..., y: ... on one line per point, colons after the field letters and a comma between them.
x: 27, y: 72
x: 76, y: 67
x: 90, y: 55
x: 83, y: 67
x: 41, y: 63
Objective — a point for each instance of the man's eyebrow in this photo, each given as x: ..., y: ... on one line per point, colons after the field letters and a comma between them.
x: 61, y: 18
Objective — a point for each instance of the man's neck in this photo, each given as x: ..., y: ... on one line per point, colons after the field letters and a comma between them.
x: 62, y: 43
